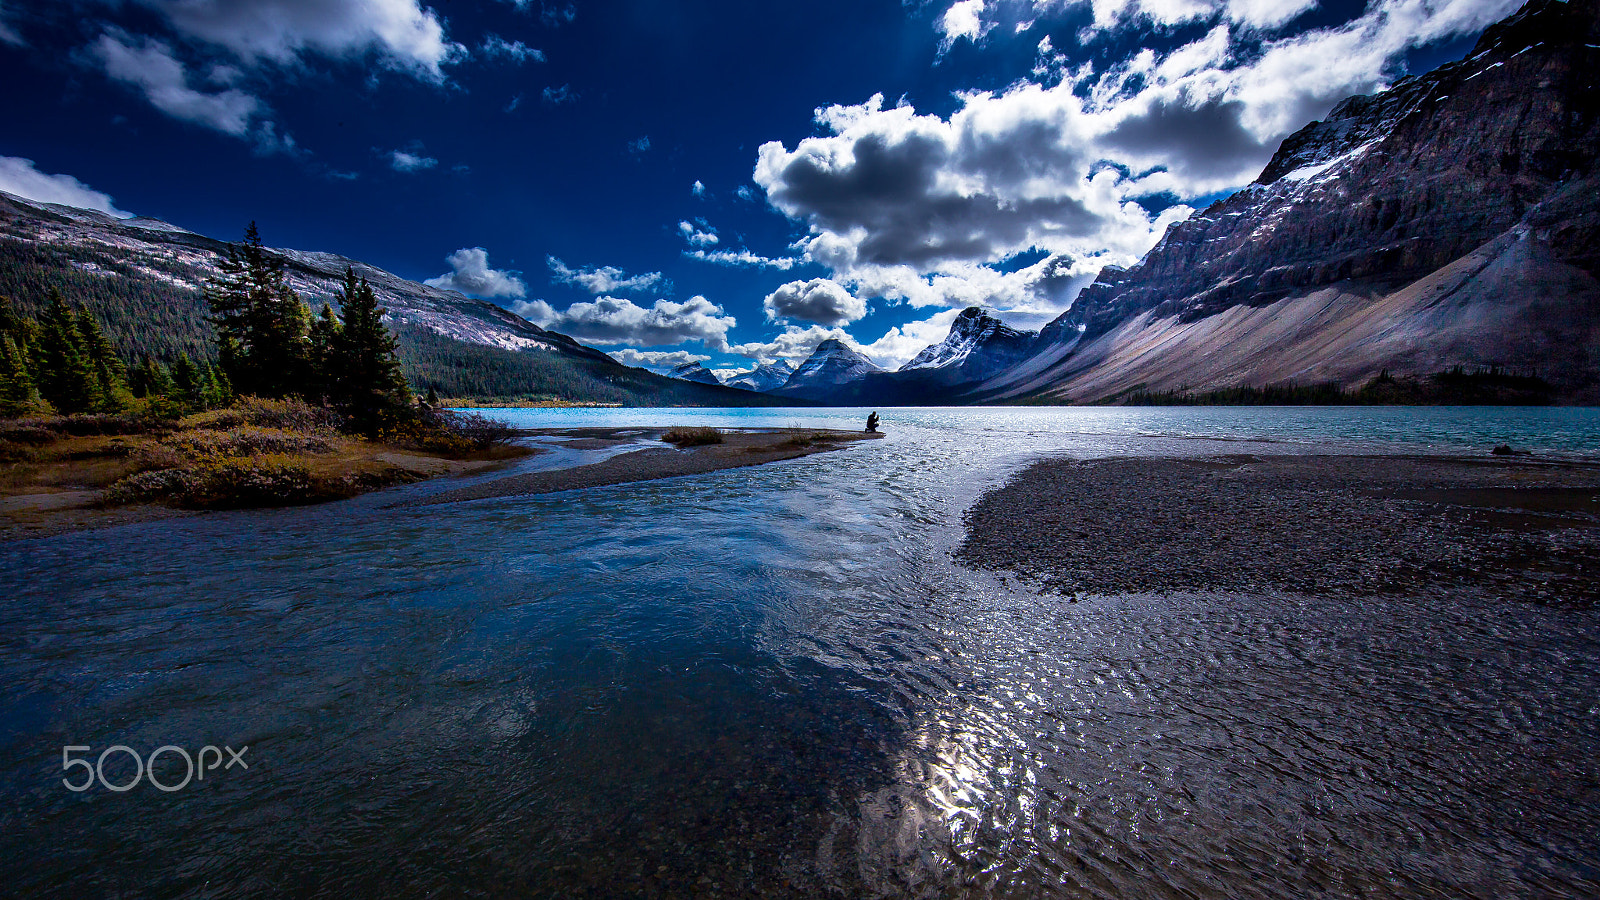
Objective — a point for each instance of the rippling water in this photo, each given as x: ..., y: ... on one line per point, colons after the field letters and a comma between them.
x: 773, y: 681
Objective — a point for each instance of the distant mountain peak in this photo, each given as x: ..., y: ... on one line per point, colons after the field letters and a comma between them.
x: 694, y: 371
x: 978, y: 341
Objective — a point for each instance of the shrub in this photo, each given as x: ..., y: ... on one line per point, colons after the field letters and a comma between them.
x: 247, y: 440
x: 445, y: 432
x: 218, y: 482
x: 288, y: 415
x: 685, y: 436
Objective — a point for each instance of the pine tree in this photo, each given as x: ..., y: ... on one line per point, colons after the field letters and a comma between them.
x: 61, y: 367
x: 188, y: 381
x: 110, y: 376
x: 367, y: 376
x: 261, y: 322
x: 324, y: 342
x: 18, y: 393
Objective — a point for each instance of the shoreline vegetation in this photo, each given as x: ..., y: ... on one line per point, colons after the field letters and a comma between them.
x: 66, y: 473
x: 1520, y: 527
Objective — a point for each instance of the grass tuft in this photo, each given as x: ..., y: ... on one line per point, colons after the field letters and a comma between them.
x: 684, y: 436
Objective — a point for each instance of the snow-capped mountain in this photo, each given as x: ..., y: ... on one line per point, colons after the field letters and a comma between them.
x: 144, y: 278
x: 693, y: 371
x: 183, y: 259
x: 830, y: 365
x: 1452, y: 220
x: 978, y: 346
x: 766, y: 377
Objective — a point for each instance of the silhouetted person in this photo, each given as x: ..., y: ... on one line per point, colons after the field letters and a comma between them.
x: 872, y: 424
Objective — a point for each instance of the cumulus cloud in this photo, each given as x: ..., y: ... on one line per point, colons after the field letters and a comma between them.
x: 615, y: 320
x: 698, y: 233
x: 699, y: 188
x: 819, y: 300
x: 18, y: 176
x: 604, y: 279
x: 153, y: 68
x: 656, y: 359
x: 470, y: 274
x: 555, y: 96
x: 795, y: 343
x: 923, y: 208
x: 406, y: 161
x: 963, y: 19
x: 899, y: 344
x: 401, y: 34
x: 496, y: 47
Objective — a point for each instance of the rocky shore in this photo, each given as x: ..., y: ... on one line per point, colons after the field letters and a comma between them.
x: 1517, y: 528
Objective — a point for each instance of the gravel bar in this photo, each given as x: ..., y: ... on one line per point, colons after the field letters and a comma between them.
x: 1521, y: 528
x: 739, y: 448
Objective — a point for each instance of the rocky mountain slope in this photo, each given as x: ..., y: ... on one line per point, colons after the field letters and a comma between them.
x: 978, y: 345
x: 695, y: 372
x: 829, y: 366
x: 765, y: 377
x: 144, y: 278
x: 1452, y: 220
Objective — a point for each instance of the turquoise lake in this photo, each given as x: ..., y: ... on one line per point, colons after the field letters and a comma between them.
x: 775, y: 681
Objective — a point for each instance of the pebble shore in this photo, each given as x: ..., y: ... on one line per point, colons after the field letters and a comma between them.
x: 1525, y: 529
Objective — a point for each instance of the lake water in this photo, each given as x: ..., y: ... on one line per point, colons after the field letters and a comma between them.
x: 773, y: 681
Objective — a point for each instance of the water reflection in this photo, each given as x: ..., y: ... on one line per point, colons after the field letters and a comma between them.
x: 772, y: 682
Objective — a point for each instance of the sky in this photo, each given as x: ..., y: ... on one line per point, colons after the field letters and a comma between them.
x: 723, y: 181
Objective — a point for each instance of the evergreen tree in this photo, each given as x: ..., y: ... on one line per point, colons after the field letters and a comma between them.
x: 188, y: 381
x: 433, y: 396
x: 110, y: 381
x: 260, y: 321
x: 150, y: 378
x: 324, y: 342
x: 62, y: 369
x: 18, y: 393
x: 366, y: 375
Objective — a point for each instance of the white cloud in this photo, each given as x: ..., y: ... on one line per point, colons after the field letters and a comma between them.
x: 741, y: 257
x: 656, y: 359
x: 604, y: 279
x: 743, y: 192
x: 795, y: 343
x: 153, y: 68
x: 615, y: 320
x: 496, y: 47
x: 405, y: 161
x: 698, y: 235
x: 819, y: 300
x: 555, y: 96
x: 699, y: 188
x: 922, y: 208
x: 963, y: 19
x: 899, y: 344
x: 639, y: 146
x: 402, y: 35
x: 18, y: 176
x: 470, y: 274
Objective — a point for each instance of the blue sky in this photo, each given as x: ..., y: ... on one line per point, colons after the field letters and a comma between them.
x: 722, y: 180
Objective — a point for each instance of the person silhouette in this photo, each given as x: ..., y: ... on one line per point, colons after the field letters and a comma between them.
x: 872, y: 423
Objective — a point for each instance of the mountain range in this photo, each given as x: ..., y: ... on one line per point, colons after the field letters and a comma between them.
x: 1451, y: 222
x: 1448, y: 223
x: 144, y: 278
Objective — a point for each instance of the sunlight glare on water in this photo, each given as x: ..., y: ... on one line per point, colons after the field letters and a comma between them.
x: 774, y: 681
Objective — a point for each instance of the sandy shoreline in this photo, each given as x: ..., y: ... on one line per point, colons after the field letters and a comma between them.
x: 1348, y: 525
x: 739, y: 449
